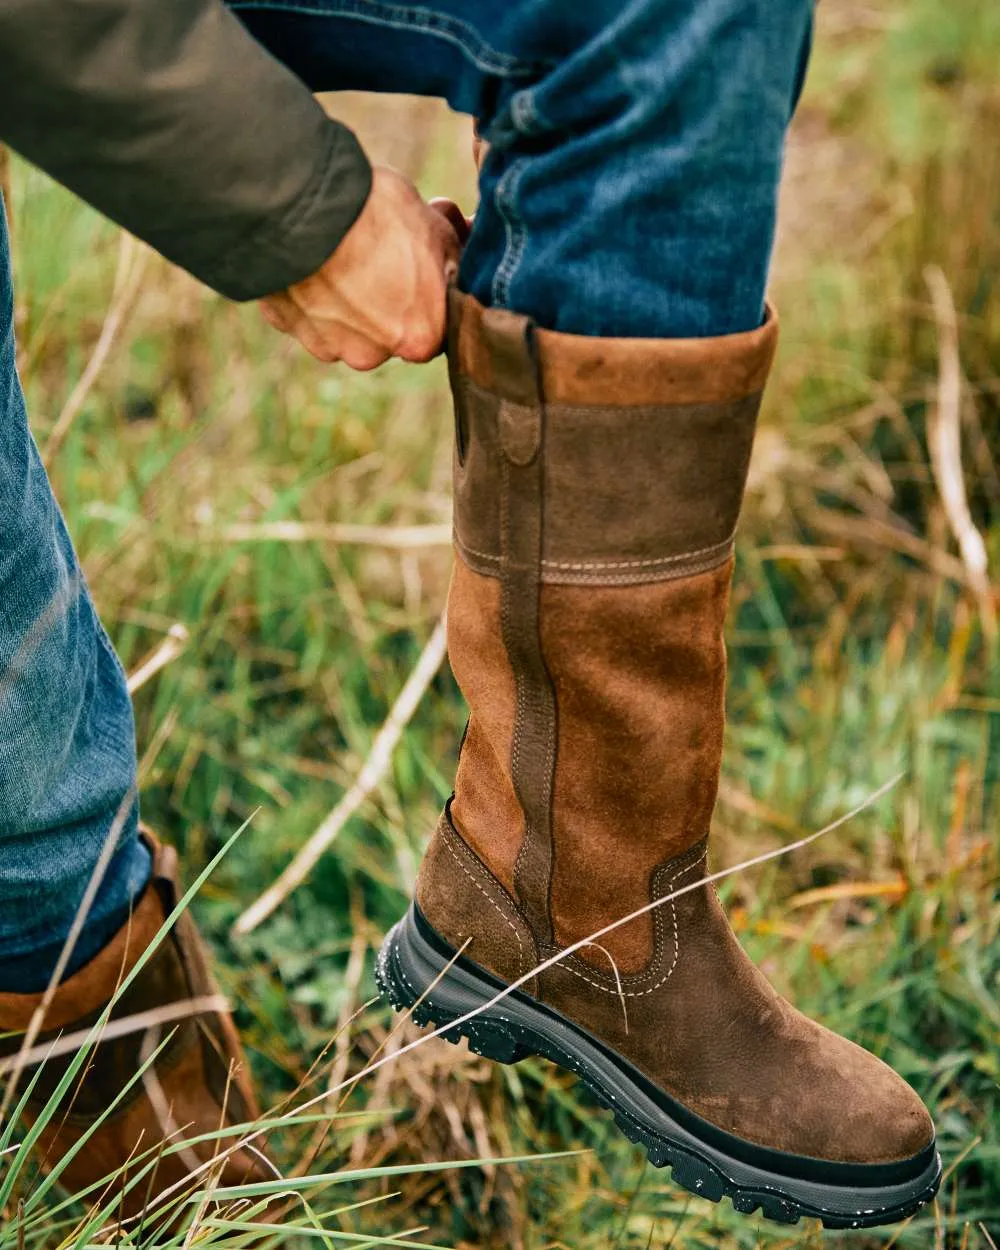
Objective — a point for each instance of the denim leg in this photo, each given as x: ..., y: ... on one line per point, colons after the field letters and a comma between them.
x: 636, y: 149
x: 67, y: 739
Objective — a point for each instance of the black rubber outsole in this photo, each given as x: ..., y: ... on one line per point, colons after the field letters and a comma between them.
x: 420, y: 973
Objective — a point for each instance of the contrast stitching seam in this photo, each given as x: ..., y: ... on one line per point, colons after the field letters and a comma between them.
x: 398, y: 17
x: 515, y: 742
x: 638, y: 576
x: 637, y: 564
x: 609, y: 989
x: 468, y: 872
x: 517, y: 728
x: 652, y: 562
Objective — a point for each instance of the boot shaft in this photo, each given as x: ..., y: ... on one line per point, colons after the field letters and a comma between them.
x: 597, y: 488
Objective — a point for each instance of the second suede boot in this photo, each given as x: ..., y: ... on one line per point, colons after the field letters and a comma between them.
x: 598, y: 484
x: 155, y: 1111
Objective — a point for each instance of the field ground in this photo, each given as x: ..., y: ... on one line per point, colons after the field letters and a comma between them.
x: 860, y: 646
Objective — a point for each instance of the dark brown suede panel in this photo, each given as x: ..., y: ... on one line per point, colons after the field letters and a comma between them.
x: 638, y: 494
x: 469, y: 905
x: 485, y: 809
x: 717, y: 1037
x: 639, y: 674
x: 577, y: 369
x: 200, y: 1072
x: 631, y: 494
x: 533, y: 749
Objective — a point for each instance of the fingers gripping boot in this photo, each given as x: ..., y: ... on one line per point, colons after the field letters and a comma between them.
x: 198, y: 1084
x: 597, y: 489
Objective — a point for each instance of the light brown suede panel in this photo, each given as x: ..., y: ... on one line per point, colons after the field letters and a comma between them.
x: 486, y: 809
x: 136, y: 1130
x: 578, y: 369
x: 639, y: 674
x: 466, y: 904
x: 716, y: 1036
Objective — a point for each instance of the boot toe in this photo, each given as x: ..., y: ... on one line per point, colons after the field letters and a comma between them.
x: 888, y: 1121
x: 853, y: 1108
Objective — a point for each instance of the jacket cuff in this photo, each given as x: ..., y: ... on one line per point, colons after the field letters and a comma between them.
x: 285, y: 250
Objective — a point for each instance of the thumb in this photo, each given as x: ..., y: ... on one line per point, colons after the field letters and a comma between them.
x: 454, y: 216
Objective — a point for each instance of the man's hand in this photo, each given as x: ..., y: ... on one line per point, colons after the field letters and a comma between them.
x: 383, y: 291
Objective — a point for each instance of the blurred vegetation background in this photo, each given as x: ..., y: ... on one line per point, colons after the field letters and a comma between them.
x: 247, y: 515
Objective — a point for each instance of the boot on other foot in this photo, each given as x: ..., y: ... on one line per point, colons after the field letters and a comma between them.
x: 199, y: 1083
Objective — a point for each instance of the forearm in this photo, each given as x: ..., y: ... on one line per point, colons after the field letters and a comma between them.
x: 169, y: 118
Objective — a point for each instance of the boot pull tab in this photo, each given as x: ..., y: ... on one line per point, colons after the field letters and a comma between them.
x: 510, y: 341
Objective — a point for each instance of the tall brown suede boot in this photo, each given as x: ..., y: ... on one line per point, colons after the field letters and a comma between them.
x: 199, y: 1084
x: 597, y: 487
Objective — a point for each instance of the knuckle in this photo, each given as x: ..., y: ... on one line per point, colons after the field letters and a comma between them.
x: 422, y: 342
x: 363, y: 359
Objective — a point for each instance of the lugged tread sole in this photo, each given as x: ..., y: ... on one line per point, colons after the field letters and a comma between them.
x: 498, y: 1036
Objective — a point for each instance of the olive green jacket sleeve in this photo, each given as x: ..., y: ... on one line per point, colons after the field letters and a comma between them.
x: 169, y: 118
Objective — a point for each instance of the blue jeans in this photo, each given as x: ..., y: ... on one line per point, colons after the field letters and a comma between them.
x: 630, y: 190
x: 636, y: 147
x: 67, y: 742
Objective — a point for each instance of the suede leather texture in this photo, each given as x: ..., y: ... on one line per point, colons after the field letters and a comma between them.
x: 685, y: 465
x: 713, y: 1033
x: 639, y: 675
x: 485, y: 809
x: 635, y: 671
x: 700, y: 1020
x: 646, y: 445
x: 471, y: 909
x: 201, y: 1073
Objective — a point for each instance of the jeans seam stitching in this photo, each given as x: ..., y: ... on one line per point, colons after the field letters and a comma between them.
x: 514, y: 230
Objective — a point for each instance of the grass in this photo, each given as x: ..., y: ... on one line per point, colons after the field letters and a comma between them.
x: 857, y: 650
